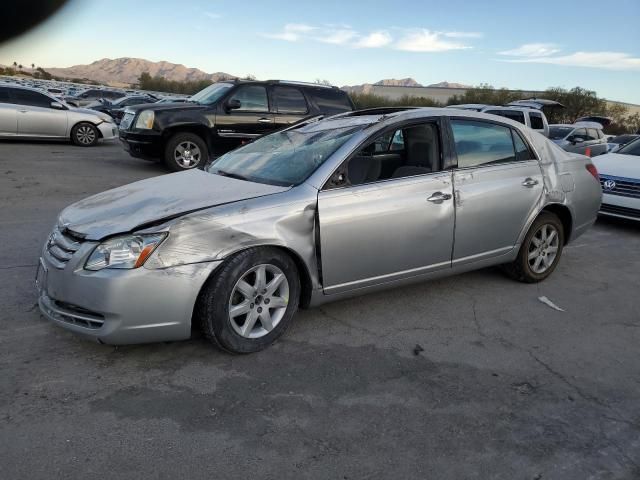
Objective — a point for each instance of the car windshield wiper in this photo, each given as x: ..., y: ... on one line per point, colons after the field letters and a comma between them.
x: 232, y: 175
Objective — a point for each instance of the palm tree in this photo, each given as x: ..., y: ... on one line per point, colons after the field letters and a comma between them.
x: 15, y: 64
x: 20, y: 67
x: 33, y: 66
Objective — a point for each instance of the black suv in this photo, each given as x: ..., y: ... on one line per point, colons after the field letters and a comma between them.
x: 221, y: 117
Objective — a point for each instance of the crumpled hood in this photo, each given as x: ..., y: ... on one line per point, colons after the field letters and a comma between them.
x: 124, y: 208
x: 618, y: 165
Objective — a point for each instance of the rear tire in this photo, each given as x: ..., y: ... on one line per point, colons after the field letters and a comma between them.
x: 540, y: 251
x: 250, y: 302
x: 185, y: 151
x: 85, y: 134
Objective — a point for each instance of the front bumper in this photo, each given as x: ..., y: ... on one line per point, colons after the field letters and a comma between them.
x: 144, y: 145
x: 121, y: 306
x: 620, y: 206
x: 109, y: 131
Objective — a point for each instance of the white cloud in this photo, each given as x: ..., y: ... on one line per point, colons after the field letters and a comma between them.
x: 374, y: 40
x: 427, y: 41
x: 337, y: 37
x: 602, y: 60
x: 292, y: 32
x: 464, y: 34
x: 532, y: 50
x: 212, y: 15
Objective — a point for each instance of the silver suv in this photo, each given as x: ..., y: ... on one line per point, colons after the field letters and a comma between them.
x: 580, y: 137
x: 30, y: 113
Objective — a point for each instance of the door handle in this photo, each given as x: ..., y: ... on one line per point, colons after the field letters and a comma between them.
x: 264, y: 120
x: 529, y: 182
x: 439, y: 197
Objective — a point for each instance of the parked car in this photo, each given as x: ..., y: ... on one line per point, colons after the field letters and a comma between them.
x: 222, y: 117
x: 92, y: 95
x: 527, y: 112
x: 579, y: 137
x: 29, y: 113
x: 620, y: 179
x: 316, y: 212
x: 116, y: 108
x: 617, y: 142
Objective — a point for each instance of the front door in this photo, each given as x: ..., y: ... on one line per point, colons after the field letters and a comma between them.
x: 8, y: 114
x: 387, y: 224
x: 498, y: 185
x: 251, y: 120
x: 36, y: 117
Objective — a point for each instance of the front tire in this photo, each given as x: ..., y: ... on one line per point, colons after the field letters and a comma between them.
x: 85, y: 134
x: 251, y: 301
x: 540, y: 251
x: 185, y: 151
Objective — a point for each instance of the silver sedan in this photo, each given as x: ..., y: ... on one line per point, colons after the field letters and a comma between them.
x: 29, y: 113
x: 317, y: 212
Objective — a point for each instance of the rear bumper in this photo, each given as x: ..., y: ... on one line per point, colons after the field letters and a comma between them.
x: 122, y: 306
x: 146, y: 145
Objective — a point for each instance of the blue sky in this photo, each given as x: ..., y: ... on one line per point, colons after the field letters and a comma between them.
x: 528, y: 45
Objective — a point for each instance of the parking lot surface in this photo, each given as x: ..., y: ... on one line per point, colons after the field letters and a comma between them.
x: 467, y: 377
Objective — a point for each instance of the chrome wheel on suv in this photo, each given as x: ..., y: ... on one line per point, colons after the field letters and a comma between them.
x: 185, y: 151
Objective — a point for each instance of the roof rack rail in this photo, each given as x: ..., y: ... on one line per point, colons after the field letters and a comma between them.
x: 297, y: 82
x: 377, y: 111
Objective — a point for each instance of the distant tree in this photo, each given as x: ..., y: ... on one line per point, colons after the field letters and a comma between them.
x: 20, y: 67
x: 15, y: 64
x: 320, y: 81
x: 369, y: 100
x: 485, y: 94
x: 249, y: 77
x: 33, y: 65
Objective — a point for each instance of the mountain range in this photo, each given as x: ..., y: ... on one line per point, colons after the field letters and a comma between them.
x: 126, y: 70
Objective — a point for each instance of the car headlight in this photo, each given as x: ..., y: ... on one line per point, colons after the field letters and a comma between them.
x: 130, y: 251
x: 145, y: 119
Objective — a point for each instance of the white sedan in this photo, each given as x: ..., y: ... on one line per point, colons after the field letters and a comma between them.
x: 620, y: 180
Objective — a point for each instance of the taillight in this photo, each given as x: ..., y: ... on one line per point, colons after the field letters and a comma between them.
x: 593, y: 171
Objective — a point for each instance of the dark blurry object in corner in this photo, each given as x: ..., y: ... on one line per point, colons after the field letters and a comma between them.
x: 18, y: 16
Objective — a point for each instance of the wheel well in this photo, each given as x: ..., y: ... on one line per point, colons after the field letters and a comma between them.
x: 564, y: 214
x: 199, y: 130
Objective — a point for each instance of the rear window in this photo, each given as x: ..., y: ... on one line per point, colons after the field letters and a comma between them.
x: 331, y: 101
x: 510, y: 114
x: 289, y: 100
x: 536, y: 121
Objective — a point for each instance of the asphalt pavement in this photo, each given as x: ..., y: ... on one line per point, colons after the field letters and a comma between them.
x: 469, y: 377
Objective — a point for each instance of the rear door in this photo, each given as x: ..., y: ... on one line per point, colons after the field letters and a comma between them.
x: 8, y: 114
x: 36, y: 117
x: 497, y: 183
x: 288, y: 104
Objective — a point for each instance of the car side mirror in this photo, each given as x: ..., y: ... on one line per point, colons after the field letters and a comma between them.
x: 232, y: 104
x: 57, y: 106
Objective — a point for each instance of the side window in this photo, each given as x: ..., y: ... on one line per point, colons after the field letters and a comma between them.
x: 407, y: 152
x: 253, y: 98
x: 33, y: 99
x: 330, y: 101
x: 592, y: 134
x: 481, y: 143
x: 536, y: 120
x: 289, y: 100
x: 522, y: 150
x: 494, y: 112
x: 4, y: 95
x: 578, y: 133
x: 514, y: 115
x: 600, y: 134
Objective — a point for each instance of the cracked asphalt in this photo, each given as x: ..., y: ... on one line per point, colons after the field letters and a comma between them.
x: 469, y: 377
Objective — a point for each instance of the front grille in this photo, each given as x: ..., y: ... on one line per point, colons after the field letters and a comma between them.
x: 616, y: 210
x: 625, y: 187
x: 61, y: 246
x: 125, y: 123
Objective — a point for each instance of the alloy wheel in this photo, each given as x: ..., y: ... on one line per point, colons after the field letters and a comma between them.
x: 543, y: 249
x: 187, y: 154
x: 258, y: 301
x: 86, y: 135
